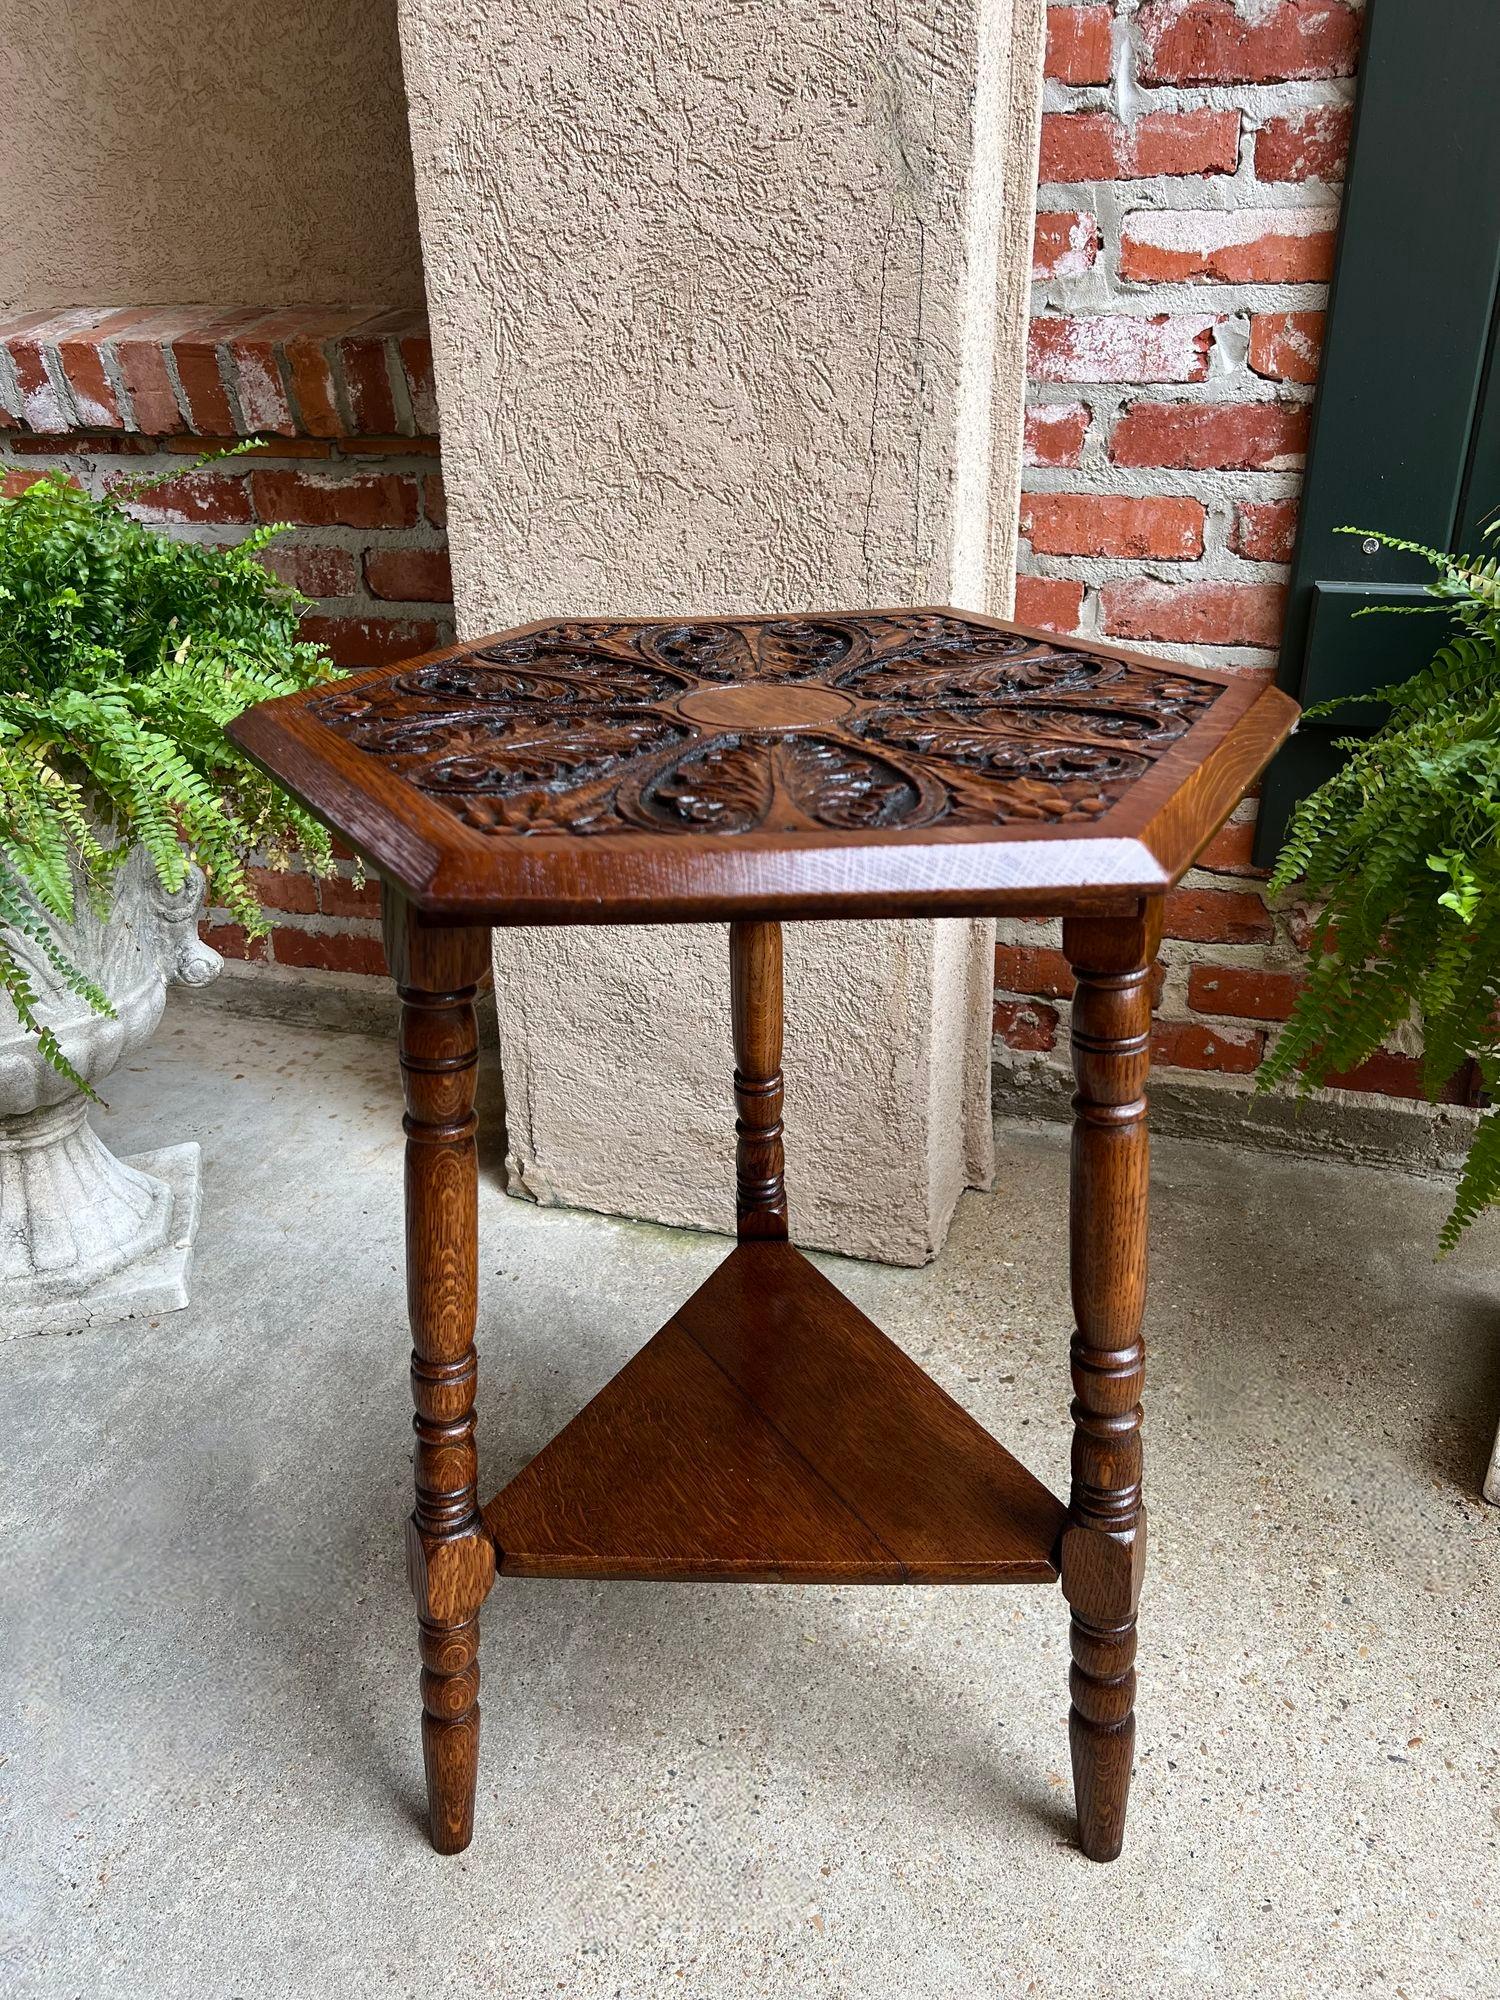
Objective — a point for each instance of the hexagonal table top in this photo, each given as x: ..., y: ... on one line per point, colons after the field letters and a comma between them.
x: 871, y: 762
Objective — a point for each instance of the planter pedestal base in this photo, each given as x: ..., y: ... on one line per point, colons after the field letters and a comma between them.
x: 85, y: 1237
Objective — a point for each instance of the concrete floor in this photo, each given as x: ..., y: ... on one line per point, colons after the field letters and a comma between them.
x: 210, y: 1760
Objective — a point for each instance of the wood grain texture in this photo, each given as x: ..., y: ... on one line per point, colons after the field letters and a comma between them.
x: 853, y: 722
x: 671, y: 1474
x: 771, y: 1433
x: 589, y: 771
x: 1103, y: 1547
x: 846, y: 764
x: 755, y: 1002
x: 450, y: 1558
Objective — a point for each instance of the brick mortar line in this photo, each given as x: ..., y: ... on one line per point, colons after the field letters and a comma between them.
x: 114, y: 374
x: 1226, y: 384
x: 1212, y: 567
x: 61, y: 387
x: 311, y: 923
x: 1101, y: 289
x: 423, y: 539
x: 409, y: 464
x: 1215, y: 565
x: 1216, y: 559
x: 1164, y: 482
x: 1203, y: 653
x: 401, y: 402
x: 104, y: 470
x: 1096, y: 292
x: 174, y: 379
x: 10, y: 387
x: 344, y: 870
x: 1218, y: 390
x: 1260, y: 103
x: 1194, y: 193
x: 279, y: 454
x: 1171, y: 1010
x: 400, y: 610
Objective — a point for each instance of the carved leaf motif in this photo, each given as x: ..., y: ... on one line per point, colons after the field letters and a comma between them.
x: 978, y: 729
x: 579, y: 726
x: 1082, y: 721
x: 517, y: 752
x: 556, y: 679
x: 1171, y: 694
x: 709, y: 651
x: 722, y: 787
x: 589, y: 638
x: 474, y: 681
x: 589, y: 806
x: 924, y: 631
x: 940, y: 675
x: 528, y: 773
x: 992, y: 798
x: 341, y: 709
x: 992, y: 744
x: 839, y: 785
x: 801, y: 649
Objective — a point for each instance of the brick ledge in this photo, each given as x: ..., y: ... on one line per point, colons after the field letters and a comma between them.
x: 214, y: 372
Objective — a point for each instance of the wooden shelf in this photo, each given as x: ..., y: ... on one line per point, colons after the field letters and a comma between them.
x: 771, y: 1433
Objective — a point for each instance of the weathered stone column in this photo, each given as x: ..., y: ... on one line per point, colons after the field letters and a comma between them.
x: 728, y: 308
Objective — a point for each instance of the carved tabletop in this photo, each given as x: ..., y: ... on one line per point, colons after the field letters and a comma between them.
x: 842, y: 763
x: 864, y: 763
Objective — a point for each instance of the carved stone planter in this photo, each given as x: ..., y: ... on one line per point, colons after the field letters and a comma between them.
x: 83, y: 1236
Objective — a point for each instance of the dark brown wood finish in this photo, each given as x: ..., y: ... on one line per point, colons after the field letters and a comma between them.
x: 755, y: 995
x: 771, y: 1433
x: 450, y: 1559
x: 671, y: 770
x: 843, y: 764
x: 1104, y: 1545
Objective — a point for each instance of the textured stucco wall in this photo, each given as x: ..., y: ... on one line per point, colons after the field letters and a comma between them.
x: 728, y: 313
x: 618, y: 1065
x: 207, y: 151
x: 729, y: 303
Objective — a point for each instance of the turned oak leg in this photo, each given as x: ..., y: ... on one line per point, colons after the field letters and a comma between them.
x: 451, y: 1561
x: 1104, y: 1543
x: 755, y: 1010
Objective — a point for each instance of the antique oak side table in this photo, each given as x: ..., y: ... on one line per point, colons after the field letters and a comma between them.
x: 862, y: 764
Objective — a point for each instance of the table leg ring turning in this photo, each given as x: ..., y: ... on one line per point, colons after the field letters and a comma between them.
x: 870, y: 765
x: 1104, y: 1544
x: 450, y: 1557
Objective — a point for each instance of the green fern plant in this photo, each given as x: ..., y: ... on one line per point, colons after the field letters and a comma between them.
x: 1400, y: 849
x: 123, y: 653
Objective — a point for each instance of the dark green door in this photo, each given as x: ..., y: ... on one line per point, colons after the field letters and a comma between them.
x: 1406, y: 432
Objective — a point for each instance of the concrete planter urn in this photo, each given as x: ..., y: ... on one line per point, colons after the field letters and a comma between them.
x: 84, y: 1236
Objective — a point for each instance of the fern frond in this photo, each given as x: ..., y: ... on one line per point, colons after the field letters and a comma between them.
x: 123, y: 654
x: 1479, y: 1183
x: 1401, y: 849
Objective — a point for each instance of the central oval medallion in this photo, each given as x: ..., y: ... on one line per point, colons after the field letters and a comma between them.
x: 765, y: 705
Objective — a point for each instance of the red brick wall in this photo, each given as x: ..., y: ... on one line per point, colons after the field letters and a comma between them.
x: 1192, y: 157
x: 346, y: 405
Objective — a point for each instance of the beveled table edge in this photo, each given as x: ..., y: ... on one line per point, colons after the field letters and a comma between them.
x: 453, y: 873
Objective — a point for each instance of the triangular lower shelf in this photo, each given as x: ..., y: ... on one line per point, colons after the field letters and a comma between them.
x: 771, y: 1433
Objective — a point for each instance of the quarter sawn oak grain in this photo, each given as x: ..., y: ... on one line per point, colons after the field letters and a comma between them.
x: 771, y: 1433
x: 568, y: 771
x: 843, y: 764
